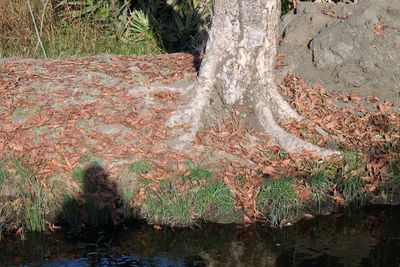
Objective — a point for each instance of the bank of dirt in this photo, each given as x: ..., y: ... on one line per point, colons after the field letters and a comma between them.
x: 82, y: 142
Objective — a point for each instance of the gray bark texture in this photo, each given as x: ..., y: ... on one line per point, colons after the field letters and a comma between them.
x: 239, y: 63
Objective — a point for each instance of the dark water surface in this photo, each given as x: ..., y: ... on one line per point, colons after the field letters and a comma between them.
x: 370, y: 237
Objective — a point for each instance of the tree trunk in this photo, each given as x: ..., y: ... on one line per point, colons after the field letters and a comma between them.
x: 239, y: 62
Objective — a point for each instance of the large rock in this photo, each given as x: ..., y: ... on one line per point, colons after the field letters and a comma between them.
x: 345, y: 47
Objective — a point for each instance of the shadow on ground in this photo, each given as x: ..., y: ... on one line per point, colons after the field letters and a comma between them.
x: 97, y: 204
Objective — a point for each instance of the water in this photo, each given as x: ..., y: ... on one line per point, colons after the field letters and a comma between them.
x: 370, y: 237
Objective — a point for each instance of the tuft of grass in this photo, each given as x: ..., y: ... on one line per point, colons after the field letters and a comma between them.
x: 32, y: 196
x: 321, y: 184
x: 278, y: 201
x: 198, y: 173
x: 3, y: 175
x: 97, y: 215
x: 205, y: 198
x: 392, y: 179
x: 71, y: 213
x: 168, y: 206
x: 349, y: 179
x: 78, y: 174
x: 140, y: 167
x: 215, y: 201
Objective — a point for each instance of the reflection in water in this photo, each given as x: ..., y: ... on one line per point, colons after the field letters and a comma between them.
x: 364, y: 238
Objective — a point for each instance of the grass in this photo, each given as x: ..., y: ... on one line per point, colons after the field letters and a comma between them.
x: 321, y: 184
x: 167, y: 206
x: 30, y: 208
x: 62, y: 36
x: 278, y: 201
x: 349, y: 179
x: 78, y: 173
x: 392, y: 181
x: 3, y: 175
x: 139, y: 167
x: 204, y: 198
x: 392, y: 177
x: 28, y: 203
x: 33, y: 195
x: 71, y: 213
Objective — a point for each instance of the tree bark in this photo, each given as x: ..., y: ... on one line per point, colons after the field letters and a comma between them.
x: 240, y: 63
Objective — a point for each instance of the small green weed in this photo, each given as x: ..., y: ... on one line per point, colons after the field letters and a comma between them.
x: 90, y: 159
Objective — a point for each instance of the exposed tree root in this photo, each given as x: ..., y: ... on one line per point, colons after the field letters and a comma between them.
x: 286, y: 140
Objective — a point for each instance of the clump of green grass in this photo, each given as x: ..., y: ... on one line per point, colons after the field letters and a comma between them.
x: 3, y: 175
x: 96, y: 215
x: 392, y: 180
x: 214, y: 202
x: 30, y: 202
x: 139, y: 167
x: 205, y: 198
x: 32, y: 196
x: 78, y: 174
x: 321, y: 185
x: 197, y: 172
x: 278, y: 201
x: 349, y: 179
x: 71, y: 213
x: 168, y: 206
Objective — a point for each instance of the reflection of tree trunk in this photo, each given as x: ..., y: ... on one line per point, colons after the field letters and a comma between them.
x: 238, y: 254
x: 339, y: 248
x: 239, y: 63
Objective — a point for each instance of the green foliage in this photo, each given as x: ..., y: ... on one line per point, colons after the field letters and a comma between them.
x: 278, y: 201
x: 173, y: 206
x: 89, y: 27
x: 285, y: 8
x: 215, y: 201
x: 394, y: 172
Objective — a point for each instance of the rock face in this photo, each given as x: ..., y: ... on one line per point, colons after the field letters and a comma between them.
x: 346, y: 47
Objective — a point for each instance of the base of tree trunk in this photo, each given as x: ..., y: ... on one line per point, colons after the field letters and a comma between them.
x: 239, y: 66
